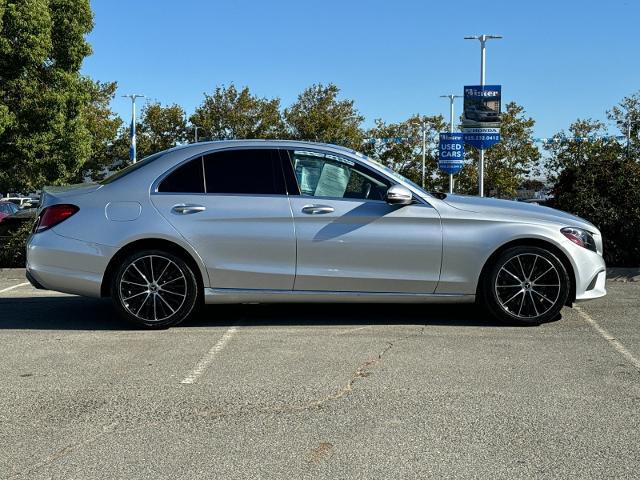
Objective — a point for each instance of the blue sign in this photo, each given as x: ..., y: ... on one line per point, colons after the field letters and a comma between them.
x: 481, y: 138
x: 481, y: 117
x: 451, y: 152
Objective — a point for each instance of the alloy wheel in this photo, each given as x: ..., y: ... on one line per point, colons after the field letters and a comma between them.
x: 153, y: 288
x: 528, y: 286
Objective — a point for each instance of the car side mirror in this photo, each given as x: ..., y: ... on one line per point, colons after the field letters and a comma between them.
x: 398, y: 195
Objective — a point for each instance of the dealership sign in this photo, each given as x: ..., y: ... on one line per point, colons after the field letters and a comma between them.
x: 451, y: 152
x: 481, y: 117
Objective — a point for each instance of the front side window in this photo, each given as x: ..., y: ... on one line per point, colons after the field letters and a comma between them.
x: 325, y: 175
x: 247, y: 172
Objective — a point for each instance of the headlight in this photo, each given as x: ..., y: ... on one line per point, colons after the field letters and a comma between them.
x: 580, y: 237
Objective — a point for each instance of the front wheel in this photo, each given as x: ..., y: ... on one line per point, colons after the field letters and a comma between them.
x: 154, y: 289
x: 526, y: 285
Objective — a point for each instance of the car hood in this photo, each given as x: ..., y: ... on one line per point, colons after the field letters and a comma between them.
x: 520, y: 211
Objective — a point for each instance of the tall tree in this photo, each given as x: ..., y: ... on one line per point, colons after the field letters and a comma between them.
x: 627, y: 117
x: 319, y: 116
x: 507, y: 163
x: 103, y: 125
x: 43, y: 137
x: 229, y: 113
x: 586, y: 141
x: 399, y: 147
x: 160, y: 128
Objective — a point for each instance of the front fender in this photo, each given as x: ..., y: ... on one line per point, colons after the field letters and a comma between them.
x: 468, y: 244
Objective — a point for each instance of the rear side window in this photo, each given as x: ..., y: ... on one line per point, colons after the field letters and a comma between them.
x: 248, y: 172
x: 187, y: 178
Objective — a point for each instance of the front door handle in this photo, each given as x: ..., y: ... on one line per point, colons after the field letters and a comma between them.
x: 316, y: 209
x: 187, y: 208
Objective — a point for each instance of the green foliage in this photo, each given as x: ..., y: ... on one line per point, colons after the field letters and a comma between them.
x: 405, y: 156
x: 572, y: 149
x: 597, y: 181
x: 13, y: 251
x: 627, y: 114
x: 43, y: 137
x: 319, y: 116
x: 507, y: 163
x: 532, y: 184
x: 103, y: 126
x: 229, y: 114
x: 160, y: 128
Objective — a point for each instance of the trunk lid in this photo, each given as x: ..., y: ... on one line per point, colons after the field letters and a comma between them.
x: 62, y: 194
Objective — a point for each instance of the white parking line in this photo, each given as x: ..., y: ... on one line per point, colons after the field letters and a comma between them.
x: 609, y: 338
x: 351, y: 330
x: 8, y: 289
x: 208, y: 358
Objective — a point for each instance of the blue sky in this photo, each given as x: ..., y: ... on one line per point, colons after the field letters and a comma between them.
x: 561, y: 60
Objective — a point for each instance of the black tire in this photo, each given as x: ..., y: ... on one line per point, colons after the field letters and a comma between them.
x: 154, y: 289
x: 519, y: 287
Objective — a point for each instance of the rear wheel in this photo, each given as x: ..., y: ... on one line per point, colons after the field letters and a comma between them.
x: 154, y: 288
x: 526, y: 285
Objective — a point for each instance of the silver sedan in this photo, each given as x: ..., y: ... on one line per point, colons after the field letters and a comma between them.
x: 284, y: 221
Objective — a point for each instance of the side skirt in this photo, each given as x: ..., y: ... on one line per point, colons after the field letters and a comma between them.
x: 232, y: 295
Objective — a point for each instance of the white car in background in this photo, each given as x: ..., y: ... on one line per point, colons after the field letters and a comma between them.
x: 21, y: 202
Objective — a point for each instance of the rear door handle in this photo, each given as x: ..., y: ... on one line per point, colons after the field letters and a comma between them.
x: 317, y: 209
x: 186, y: 209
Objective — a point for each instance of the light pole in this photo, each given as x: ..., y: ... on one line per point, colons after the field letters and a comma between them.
x: 483, y: 55
x: 196, y: 127
x: 132, y: 131
x: 424, y: 149
x: 452, y: 99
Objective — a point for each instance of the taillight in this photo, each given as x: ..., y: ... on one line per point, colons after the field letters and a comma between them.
x: 53, y: 215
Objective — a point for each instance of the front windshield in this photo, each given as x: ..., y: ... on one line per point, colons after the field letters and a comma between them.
x: 130, y: 168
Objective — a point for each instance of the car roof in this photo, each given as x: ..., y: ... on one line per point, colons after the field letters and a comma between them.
x: 272, y: 143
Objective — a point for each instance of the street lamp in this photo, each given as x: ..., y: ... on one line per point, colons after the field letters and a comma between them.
x: 452, y: 99
x: 132, y: 131
x: 483, y: 55
x: 196, y: 127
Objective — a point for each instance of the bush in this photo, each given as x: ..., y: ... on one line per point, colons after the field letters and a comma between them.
x: 607, y: 193
x: 13, y: 251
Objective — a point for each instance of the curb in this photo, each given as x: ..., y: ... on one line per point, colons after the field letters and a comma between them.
x: 620, y: 274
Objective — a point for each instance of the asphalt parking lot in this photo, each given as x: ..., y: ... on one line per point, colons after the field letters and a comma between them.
x: 312, y: 391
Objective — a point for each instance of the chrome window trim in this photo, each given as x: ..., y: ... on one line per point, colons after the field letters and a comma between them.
x: 354, y: 159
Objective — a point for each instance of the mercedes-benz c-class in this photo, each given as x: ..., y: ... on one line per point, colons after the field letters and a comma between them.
x: 284, y: 221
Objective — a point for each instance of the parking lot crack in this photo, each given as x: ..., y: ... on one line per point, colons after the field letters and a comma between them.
x: 64, y: 451
x: 361, y: 372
